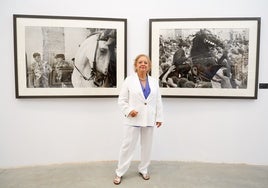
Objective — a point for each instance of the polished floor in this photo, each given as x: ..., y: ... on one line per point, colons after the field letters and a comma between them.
x: 163, y: 175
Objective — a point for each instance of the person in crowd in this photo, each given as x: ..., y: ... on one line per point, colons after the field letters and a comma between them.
x: 141, y: 103
x: 179, y: 69
x: 223, y: 79
x: 41, y: 70
x: 179, y: 57
x: 59, y: 65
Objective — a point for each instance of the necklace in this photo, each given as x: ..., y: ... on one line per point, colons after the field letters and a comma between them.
x: 142, y: 79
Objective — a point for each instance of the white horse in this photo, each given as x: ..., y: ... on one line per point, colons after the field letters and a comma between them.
x: 91, y: 63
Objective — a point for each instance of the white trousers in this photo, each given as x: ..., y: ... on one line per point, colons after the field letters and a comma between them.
x: 131, y: 136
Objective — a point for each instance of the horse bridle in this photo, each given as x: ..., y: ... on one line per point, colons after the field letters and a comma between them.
x: 94, y: 72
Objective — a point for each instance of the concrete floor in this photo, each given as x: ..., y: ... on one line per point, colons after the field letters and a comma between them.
x: 163, y: 175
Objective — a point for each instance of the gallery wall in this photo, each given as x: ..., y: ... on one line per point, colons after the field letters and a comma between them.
x: 73, y: 130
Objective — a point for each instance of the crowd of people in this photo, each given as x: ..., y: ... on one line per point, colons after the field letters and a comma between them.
x: 176, y: 66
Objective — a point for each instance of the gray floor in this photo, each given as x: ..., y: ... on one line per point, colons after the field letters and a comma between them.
x: 163, y: 175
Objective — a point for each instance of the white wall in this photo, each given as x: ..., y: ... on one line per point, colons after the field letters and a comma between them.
x: 45, y: 131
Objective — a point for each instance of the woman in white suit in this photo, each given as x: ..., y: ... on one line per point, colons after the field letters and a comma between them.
x: 141, y: 103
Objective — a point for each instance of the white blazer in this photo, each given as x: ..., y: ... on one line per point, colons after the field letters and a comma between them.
x: 131, y: 98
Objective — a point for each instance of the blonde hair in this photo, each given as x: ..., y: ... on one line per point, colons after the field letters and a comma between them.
x: 148, y: 60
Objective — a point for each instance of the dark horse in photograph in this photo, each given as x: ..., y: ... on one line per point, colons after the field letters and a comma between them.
x: 207, y: 55
x: 203, y: 56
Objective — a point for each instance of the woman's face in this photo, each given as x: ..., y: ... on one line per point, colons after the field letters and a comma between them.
x: 142, y: 65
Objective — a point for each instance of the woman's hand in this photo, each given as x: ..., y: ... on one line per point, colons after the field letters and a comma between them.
x: 133, y: 113
x: 158, y: 124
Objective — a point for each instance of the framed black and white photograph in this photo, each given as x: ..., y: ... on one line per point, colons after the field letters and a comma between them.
x: 206, y: 57
x: 62, y: 56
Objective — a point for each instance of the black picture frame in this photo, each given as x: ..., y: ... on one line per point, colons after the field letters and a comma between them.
x: 182, y: 52
x: 80, y: 56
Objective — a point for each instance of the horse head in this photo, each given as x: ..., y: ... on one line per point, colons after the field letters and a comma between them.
x: 91, y: 62
x: 203, y: 42
x: 102, y: 57
x: 101, y: 63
